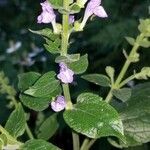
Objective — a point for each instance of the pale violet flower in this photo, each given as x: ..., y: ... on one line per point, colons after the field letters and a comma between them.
x: 65, y: 74
x: 71, y: 19
x: 47, y: 15
x: 93, y: 8
x: 59, y: 104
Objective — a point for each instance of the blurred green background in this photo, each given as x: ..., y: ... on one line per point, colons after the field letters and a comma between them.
x: 102, y: 39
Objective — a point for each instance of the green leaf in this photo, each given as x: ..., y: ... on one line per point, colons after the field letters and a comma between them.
x: 38, y: 145
x: 81, y: 3
x: 74, y: 8
x: 79, y: 66
x: 16, y: 122
x: 48, y: 127
x: 45, y: 78
x: 47, y: 32
x: 130, y: 40
x: 53, y: 46
x: 136, y: 116
x: 94, y: 118
x: 123, y: 94
x: 57, y: 4
x: 145, y: 43
x: 37, y: 104
x: 98, y: 79
x: 3, y: 138
x: 27, y: 79
x: 45, y: 86
x: 68, y: 58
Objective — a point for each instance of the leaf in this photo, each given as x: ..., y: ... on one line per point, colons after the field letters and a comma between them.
x: 94, y: 118
x: 130, y: 40
x: 57, y: 4
x: 48, y: 128
x: 145, y: 43
x: 27, y: 79
x: 16, y: 122
x: 47, y: 32
x: 53, y: 46
x: 136, y: 116
x: 38, y: 145
x: 123, y: 94
x: 3, y: 139
x: 98, y: 79
x: 37, y: 104
x: 68, y: 58
x: 46, y: 86
x: 79, y: 66
x: 74, y: 8
x: 81, y: 3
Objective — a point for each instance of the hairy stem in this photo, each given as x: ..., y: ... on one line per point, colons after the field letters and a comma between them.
x: 65, y: 32
x: 64, y: 50
x: 67, y: 96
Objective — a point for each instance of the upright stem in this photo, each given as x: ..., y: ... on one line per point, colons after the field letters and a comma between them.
x: 67, y: 96
x: 65, y: 32
x: 64, y: 50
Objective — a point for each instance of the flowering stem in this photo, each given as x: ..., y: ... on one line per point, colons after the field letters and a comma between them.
x: 125, y: 68
x: 118, y: 83
x: 126, y: 81
x: 67, y: 96
x: 65, y: 32
x: 64, y: 49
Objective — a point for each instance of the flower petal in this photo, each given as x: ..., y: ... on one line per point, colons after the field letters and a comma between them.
x: 100, y: 12
x: 59, y: 104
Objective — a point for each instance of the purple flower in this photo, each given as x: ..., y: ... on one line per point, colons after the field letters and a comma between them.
x: 47, y: 15
x: 71, y: 19
x: 93, y: 7
x: 65, y: 74
x: 59, y: 104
